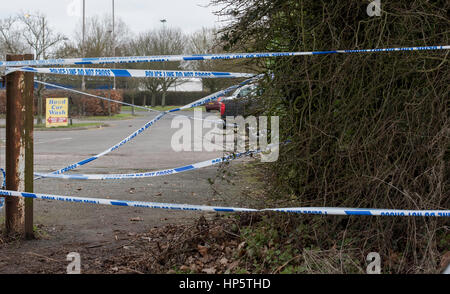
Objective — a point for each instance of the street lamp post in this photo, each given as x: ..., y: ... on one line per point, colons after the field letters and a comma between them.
x: 164, y: 21
x: 83, y: 49
x: 113, y: 40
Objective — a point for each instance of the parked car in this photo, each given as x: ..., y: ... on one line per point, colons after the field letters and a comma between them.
x: 241, y: 102
x: 248, y: 90
x: 214, y: 105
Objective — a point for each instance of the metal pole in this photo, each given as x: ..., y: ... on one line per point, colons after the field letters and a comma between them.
x: 43, y: 37
x: 39, y: 118
x: 113, y: 40
x: 19, y: 149
x: 83, y: 53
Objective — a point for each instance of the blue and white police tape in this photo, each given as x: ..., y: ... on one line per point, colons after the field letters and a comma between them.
x: 95, y: 96
x: 199, y: 102
x: 226, y: 56
x: 151, y: 174
x: 139, y: 204
x: 216, y: 122
x: 2, y: 201
x: 217, y: 95
x: 188, y: 207
x: 131, y: 73
x: 115, y: 147
x: 362, y: 211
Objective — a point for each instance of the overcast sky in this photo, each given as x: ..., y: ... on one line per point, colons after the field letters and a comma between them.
x: 139, y: 15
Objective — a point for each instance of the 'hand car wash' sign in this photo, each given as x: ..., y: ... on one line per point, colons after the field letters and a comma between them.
x: 57, y: 112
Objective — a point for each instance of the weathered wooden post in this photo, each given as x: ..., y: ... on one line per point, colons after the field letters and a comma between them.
x: 19, y: 149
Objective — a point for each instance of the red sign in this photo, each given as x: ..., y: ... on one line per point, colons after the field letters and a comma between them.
x: 54, y: 120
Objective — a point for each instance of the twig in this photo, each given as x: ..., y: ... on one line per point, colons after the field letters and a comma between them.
x: 285, y: 264
x: 43, y: 256
x: 132, y: 270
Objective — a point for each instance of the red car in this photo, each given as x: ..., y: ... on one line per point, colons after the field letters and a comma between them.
x: 214, y: 105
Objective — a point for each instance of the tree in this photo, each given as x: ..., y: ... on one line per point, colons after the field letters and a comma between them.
x: 99, y: 39
x: 9, y: 43
x: 164, y: 41
x: 205, y: 41
x: 98, y: 43
x: 365, y: 130
x: 38, y: 35
x: 208, y: 41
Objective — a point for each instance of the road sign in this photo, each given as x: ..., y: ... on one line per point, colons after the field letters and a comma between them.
x: 57, y: 112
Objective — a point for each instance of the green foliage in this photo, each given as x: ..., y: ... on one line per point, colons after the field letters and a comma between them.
x: 288, y: 245
x: 172, y: 98
x: 367, y: 130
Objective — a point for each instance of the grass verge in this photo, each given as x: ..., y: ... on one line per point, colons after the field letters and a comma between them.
x: 120, y: 116
x: 73, y: 126
x: 160, y: 108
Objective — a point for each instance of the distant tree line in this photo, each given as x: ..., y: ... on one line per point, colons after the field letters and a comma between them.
x: 33, y: 34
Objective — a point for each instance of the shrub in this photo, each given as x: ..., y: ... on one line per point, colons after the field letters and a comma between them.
x: 367, y: 130
x: 78, y: 104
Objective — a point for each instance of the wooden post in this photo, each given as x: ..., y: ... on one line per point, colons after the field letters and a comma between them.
x: 19, y: 149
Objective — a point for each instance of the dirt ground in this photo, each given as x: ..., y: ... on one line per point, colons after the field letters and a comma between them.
x: 103, y: 234
x: 182, y: 242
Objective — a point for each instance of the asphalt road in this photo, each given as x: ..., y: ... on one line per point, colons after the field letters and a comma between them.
x: 149, y: 151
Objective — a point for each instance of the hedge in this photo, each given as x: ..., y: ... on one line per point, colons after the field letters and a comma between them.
x: 78, y: 104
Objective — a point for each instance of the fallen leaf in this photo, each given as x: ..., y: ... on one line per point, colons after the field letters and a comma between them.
x: 184, y: 268
x: 223, y: 261
x: 233, y: 265
x: 193, y: 268
x: 241, y: 249
x: 203, y: 250
x: 209, y: 271
x: 445, y: 260
x: 159, y: 194
x: 136, y: 219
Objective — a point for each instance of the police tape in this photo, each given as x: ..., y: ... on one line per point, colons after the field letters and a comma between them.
x: 199, y: 102
x: 166, y: 172
x: 201, y: 57
x: 132, y: 73
x: 362, y: 211
x: 2, y: 201
x: 338, y: 211
x: 95, y: 96
x: 217, y: 122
